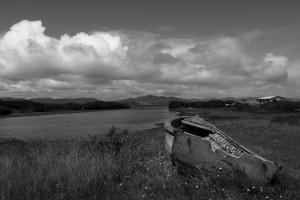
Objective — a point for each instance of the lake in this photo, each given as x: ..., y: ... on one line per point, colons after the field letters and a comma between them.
x: 70, y: 125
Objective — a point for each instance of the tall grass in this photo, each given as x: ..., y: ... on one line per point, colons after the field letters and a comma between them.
x: 133, y: 165
x: 293, y: 120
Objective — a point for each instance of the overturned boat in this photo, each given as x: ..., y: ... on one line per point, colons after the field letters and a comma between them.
x: 194, y: 141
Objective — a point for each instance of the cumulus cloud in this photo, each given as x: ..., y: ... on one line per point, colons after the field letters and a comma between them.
x: 26, y: 53
x: 123, y: 63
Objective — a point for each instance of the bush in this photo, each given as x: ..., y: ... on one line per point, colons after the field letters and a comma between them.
x: 4, y: 110
x: 242, y: 106
x: 199, y: 104
x: 281, y: 106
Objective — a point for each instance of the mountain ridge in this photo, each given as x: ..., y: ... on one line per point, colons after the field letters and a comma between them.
x: 63, y: 100
x: 146, y: 100
x: 152, y: 100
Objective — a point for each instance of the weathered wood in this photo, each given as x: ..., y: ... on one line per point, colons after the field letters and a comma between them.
x: 169, y: 142
x: 214, y: 150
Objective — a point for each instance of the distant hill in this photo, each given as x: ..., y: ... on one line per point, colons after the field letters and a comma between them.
x: 152, y: 100
x: 148, y: 100
x: 63, y: 100
x: 11, y: 99
x: 229, y: 98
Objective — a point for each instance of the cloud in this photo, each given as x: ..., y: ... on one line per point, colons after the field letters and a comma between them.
x: 165, y: 28
x: 54, y: 84
x: 26, y: 53
x: 275, y: 68
x: 123, y: 63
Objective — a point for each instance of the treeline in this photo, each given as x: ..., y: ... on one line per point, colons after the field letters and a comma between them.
x: 270, y: 107
x: 281, y: 106
x: 24, y: 106
x: 199, y: 104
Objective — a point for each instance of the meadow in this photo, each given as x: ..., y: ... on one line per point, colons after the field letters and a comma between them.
x: 126, y: 164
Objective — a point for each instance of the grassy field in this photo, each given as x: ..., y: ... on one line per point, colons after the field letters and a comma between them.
x: 133, y: 165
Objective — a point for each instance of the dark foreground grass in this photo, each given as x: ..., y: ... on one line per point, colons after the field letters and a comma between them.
x: 133, y: 165
x: 293, y: 120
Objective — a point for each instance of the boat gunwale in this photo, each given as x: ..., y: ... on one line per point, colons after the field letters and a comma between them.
x: 168, y: 126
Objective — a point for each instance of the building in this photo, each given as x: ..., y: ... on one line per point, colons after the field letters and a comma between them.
x: 263, y: 100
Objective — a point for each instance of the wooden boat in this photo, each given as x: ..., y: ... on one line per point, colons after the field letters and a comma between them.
x: 194, y: 141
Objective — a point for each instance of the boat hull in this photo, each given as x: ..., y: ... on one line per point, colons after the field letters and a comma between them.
x: 169, y: 142
x: 200, y: 152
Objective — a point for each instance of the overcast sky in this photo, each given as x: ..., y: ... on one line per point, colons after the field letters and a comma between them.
x: 120, y: 49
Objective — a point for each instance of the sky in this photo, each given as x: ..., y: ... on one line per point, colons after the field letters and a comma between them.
x: 113, y: 50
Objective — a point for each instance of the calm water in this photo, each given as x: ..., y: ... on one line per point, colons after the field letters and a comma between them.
x: 81, y: 124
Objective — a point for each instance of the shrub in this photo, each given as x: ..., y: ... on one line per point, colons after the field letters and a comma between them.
x: 242, y: 106
x: 281, y: 106
x: 4, y: 110
x: 199, y: 104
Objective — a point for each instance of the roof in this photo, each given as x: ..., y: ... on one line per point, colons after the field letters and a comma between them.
x: 270, y: 97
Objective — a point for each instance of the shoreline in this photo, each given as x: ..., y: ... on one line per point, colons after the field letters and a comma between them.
x: 152, y: 126
x: 76, y: 111
x: 53, y: 113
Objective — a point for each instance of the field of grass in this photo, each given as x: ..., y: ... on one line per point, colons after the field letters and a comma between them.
x: 133, y: 165
x: 293, y: 120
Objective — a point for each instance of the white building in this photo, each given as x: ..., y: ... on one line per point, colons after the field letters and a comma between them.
x: 263, y: 100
